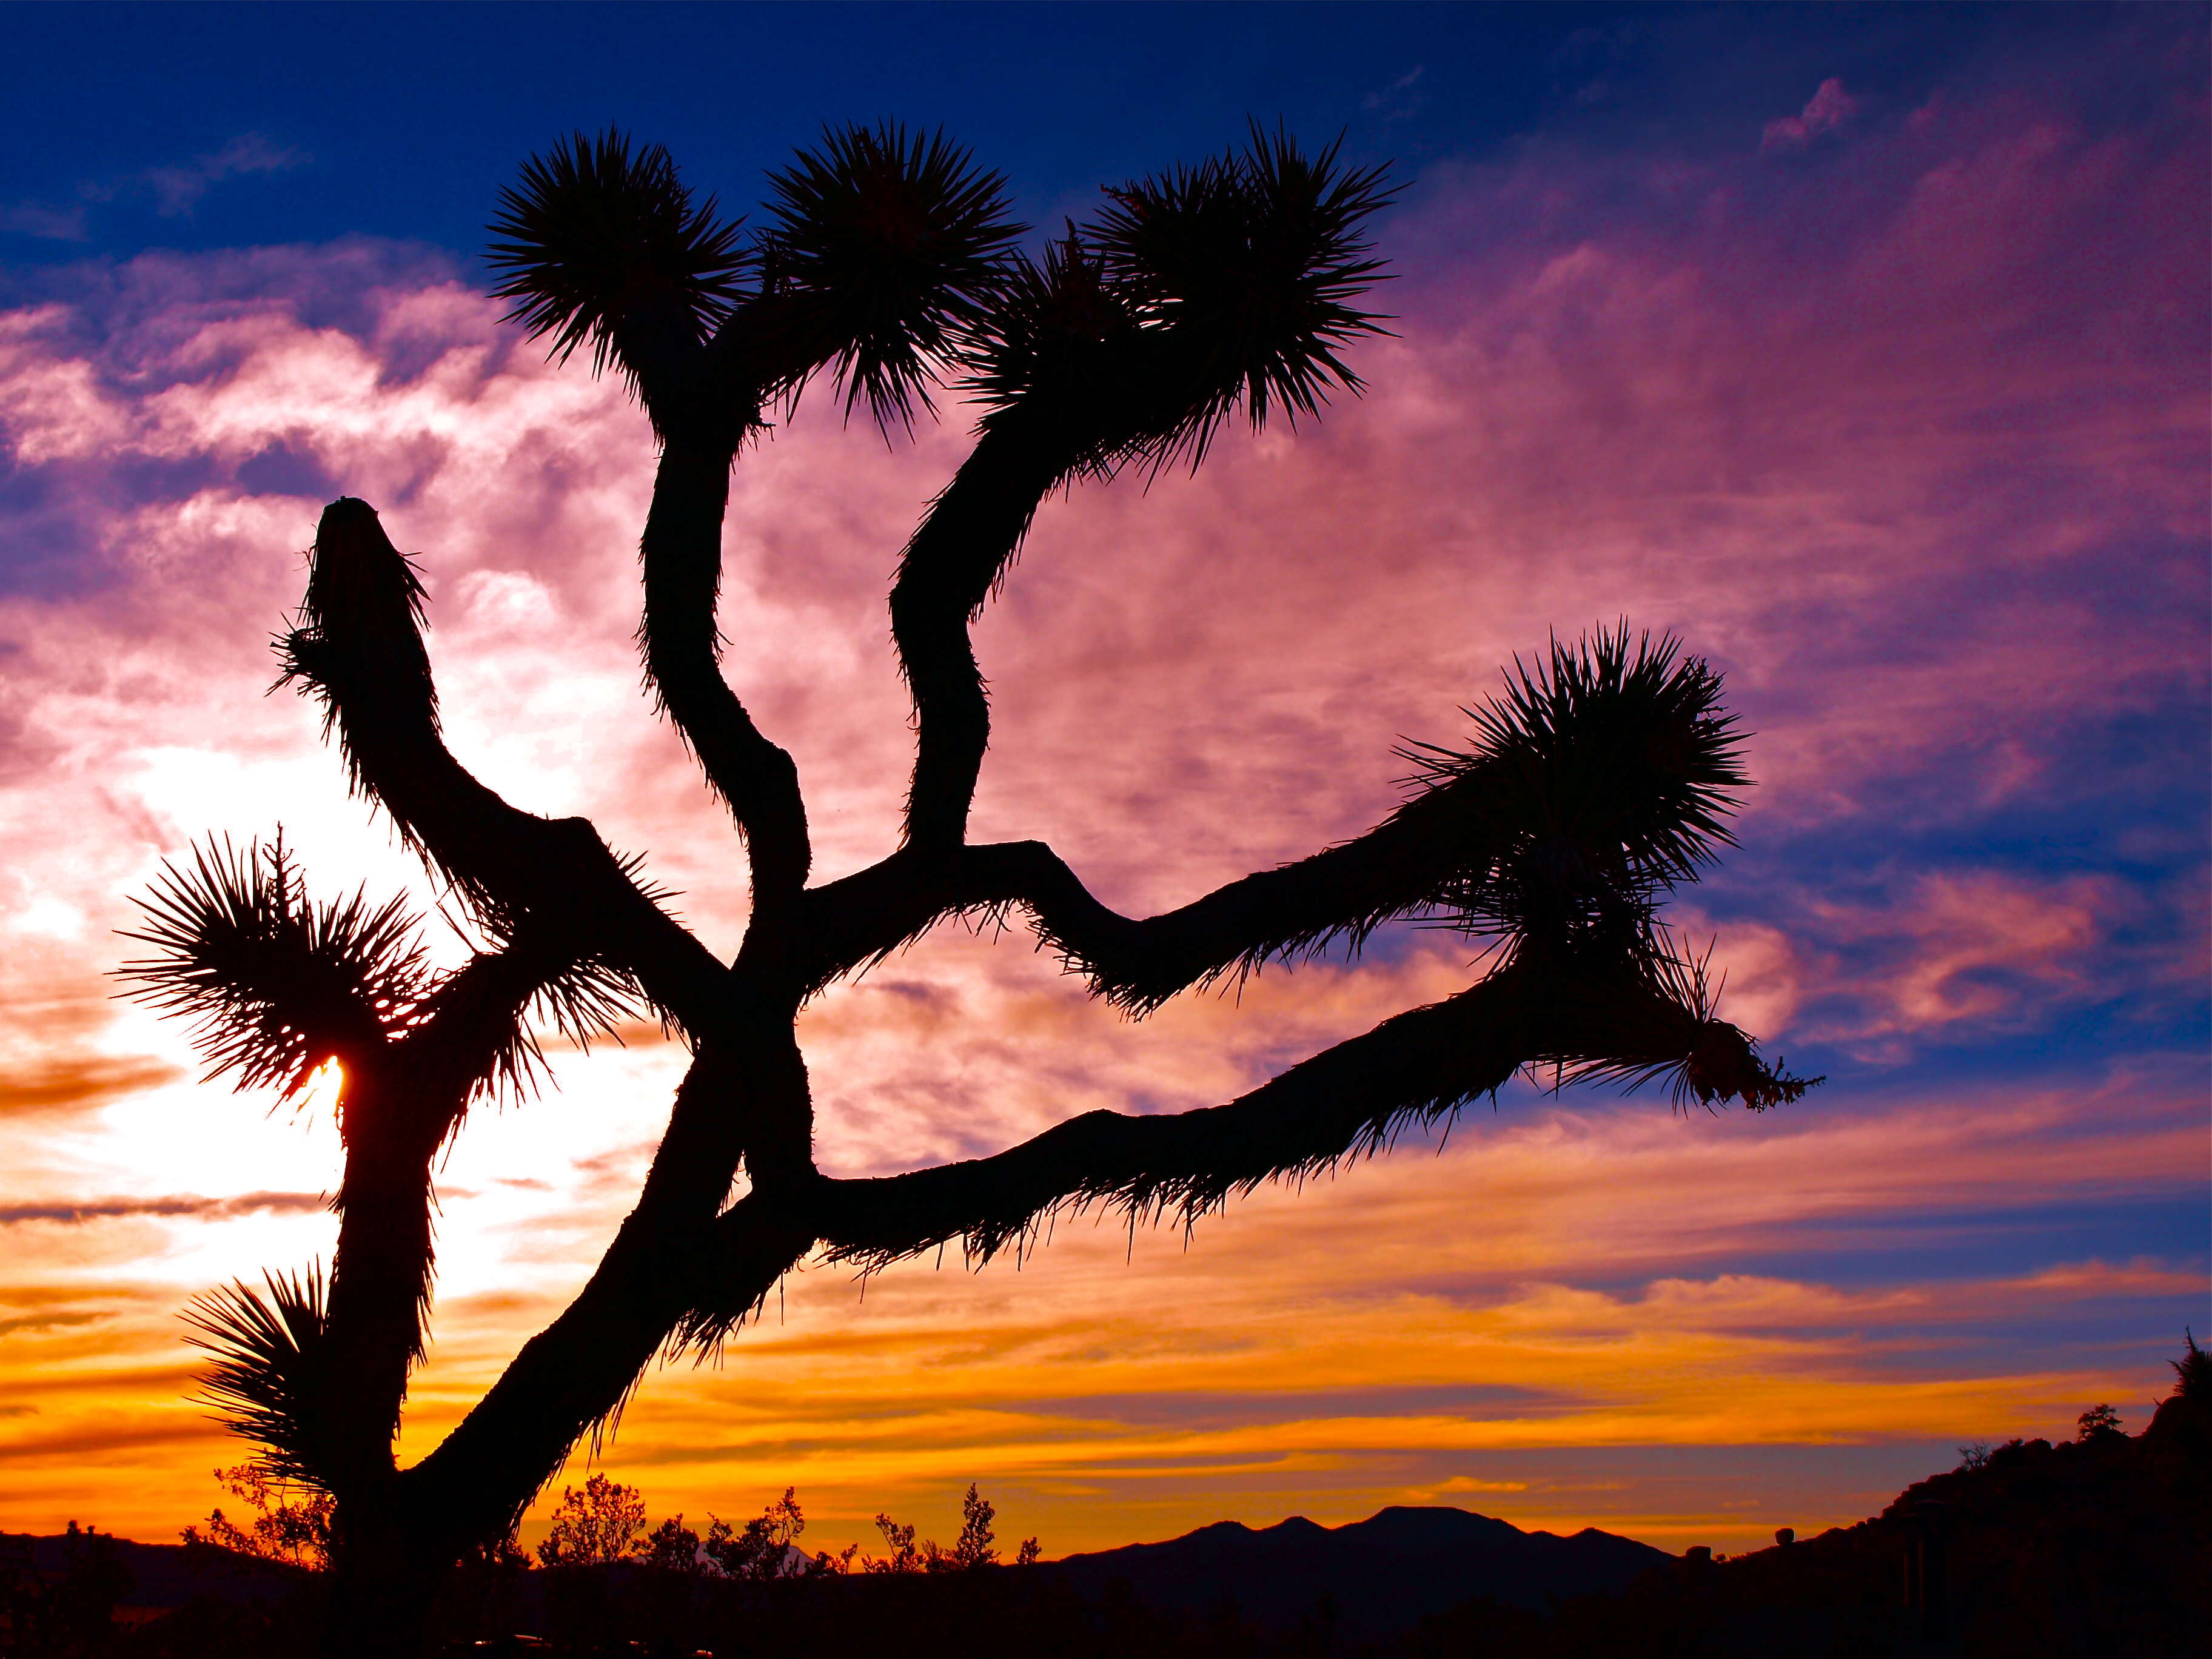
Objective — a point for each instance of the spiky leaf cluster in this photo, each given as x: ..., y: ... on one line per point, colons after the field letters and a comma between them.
x: 266, y: 1383
x: 894, y: 243
x: 1256, y: 258
x: 274, y: 982
x: 1193, y: 294
x: 278, y: 983
x: 1600, y: 779
x: 595, y: 229
x: 1064, y: 347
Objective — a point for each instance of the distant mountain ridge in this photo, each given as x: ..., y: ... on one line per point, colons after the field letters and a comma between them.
x: 1368, y: 1579
x: 160, y: 1575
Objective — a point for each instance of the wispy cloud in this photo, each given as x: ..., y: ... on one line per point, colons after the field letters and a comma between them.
x: 1400, y: 100
x: 177, y: 190
x: 173, y: 189
x: 77, y: 1212
x: 81, y: 1084
x: 1829, y: 109
x: 66, y: 223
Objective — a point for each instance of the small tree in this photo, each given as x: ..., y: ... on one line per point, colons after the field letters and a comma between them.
x: 2099, y: 1422
x: 671, y: 1547
x: 762, y: 1547
x: 905, y: 1556
x: 973, y: 1549
x: 293, y: 1527
x: 975, y: 1546
x: 594, y: 1527
x: 1598, y: 780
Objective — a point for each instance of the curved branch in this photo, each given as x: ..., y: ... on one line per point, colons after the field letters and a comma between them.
x: 1136, y: 963
x: 757, y: 780
x: 359, y: 648
x: 1598, y: 782
x: 672, y: 1256
x: 1229, y: 285
x: 1606, y: 1018
x: 471, y: 1035
x: 466, y: 1036
x: 947, y: 573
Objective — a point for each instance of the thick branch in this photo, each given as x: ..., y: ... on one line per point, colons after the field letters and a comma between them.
x: 362, y: 650
x: 683, y: 555
x: 398, y: 1104
x: 1598, y: 781
x: 579, y: 1370
x: 1396, y: 868
x: 379, y: 1279
x: 945, y: 574
x: 468, y: 1038
x: 1347, y: 1101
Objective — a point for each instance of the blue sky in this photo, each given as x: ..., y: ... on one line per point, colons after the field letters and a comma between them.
x: 135, y: 126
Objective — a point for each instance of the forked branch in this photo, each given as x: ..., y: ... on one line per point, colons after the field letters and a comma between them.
x: 1601, y: 776
x: 1229, y: 286
x: 359, y: 650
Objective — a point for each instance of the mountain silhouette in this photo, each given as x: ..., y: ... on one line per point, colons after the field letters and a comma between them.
x: 1367, y: 1580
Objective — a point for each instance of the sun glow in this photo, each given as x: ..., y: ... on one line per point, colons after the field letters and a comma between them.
x: 322, y: 1090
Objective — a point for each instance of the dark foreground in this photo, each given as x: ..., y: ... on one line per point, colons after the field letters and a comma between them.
x: 2101, y: 1548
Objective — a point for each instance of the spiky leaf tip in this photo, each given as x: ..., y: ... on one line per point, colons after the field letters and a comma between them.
x: 1254, y: 264
x: 1061, y: 351
x: 274, y: 982
x: 1687, y: 1047
x: 597, y: 228
x: 897, y: 242
x: 1600, y: 779
x: 266, y: 1384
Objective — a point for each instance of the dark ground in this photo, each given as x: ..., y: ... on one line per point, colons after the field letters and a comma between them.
x: 2100, y: 1548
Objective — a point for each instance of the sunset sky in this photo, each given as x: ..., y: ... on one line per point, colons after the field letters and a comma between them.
x: 1867, y: 350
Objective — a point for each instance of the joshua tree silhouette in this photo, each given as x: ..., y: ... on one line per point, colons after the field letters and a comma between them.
x: 1599, y: 780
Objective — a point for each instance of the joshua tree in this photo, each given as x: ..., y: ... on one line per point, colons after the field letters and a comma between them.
x: 1596, y: 782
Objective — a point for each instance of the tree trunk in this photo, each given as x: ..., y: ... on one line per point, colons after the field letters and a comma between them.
x: 387, y: 1565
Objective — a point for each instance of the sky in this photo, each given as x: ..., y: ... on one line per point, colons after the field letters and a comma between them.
x: 1864, y: 349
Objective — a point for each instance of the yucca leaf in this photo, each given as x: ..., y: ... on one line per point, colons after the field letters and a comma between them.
x: 895, y: 242
x: 274, y: 982
x: 598, y: 228
x: 1193, y: 294
x: 1677, y: 1039
x: 1600, y: 779
x: 1065, y: 347
x: 266, y: 1383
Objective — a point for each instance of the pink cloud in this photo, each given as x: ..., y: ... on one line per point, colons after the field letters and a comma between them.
x: 1947, y: 955
x: 1829, y: 108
